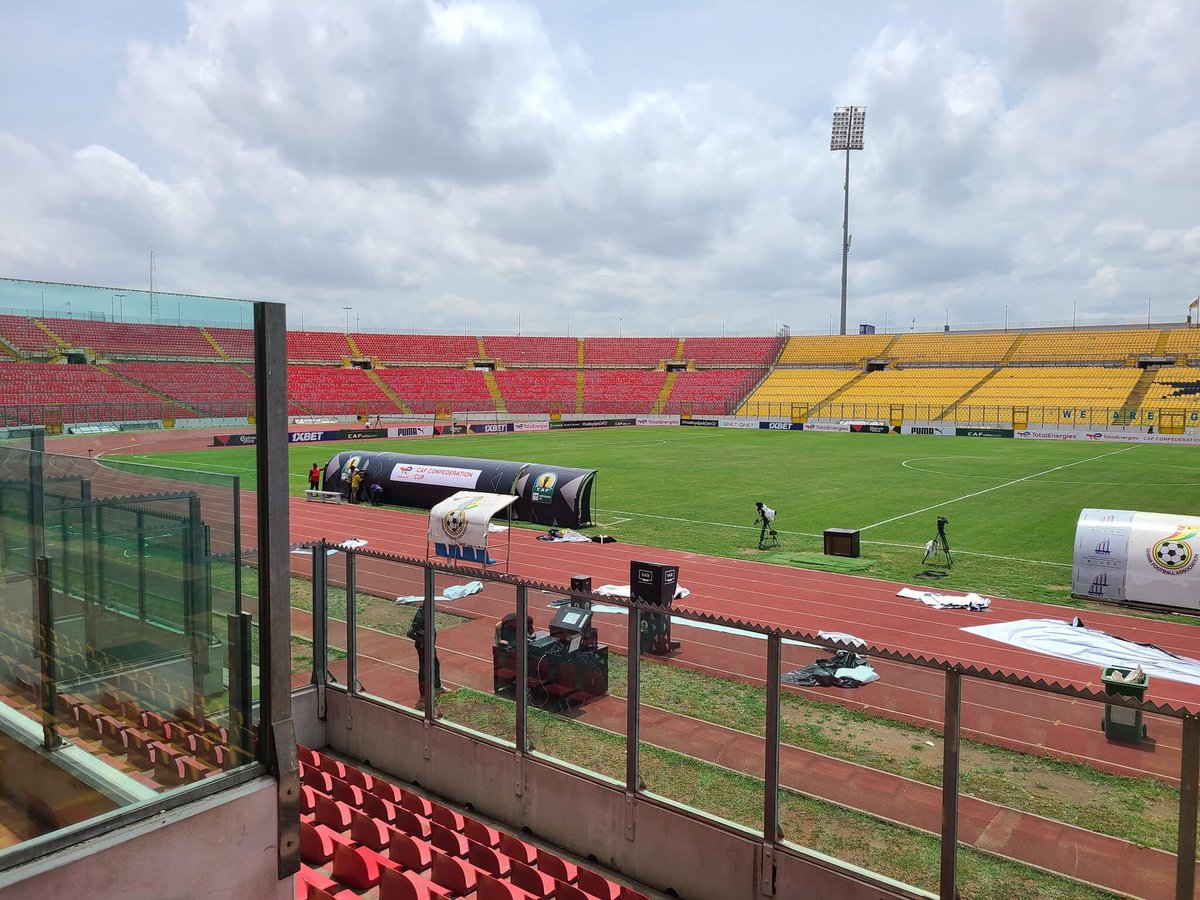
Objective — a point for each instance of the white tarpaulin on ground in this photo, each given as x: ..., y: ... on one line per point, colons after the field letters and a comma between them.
x: 973, y: 602
x: 622, y: 590
x: 462, y: 518
x: 1055, y: 637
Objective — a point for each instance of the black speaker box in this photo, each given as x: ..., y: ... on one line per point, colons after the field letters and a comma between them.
x: 653, y: 582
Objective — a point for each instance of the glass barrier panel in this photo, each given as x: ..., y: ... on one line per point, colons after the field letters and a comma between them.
x: 477, y: 633
x: 578, y: 685
x: 702, y: 718
x: 860, y: 761
x: 388, y: 596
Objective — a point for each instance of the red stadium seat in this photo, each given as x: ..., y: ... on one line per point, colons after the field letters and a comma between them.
x: 517, y: 849
x: 411, y: 823
x: 397, y: 884
x: 487, y: 859
x: 455, y: 875
x: 385, y: 790
x: 447, y: 817
x: 373, y: 805
x: 480, y: 833
x: 333, y: 813
x: 490, y: 888
x: 410, y: 852
x: 357, y: 867
x: 449, y: 842
x: 597, y: 885
x: 417, y: 804
x: 556, y: 867
x: 347, y: 793
x: 564, y: 891
x: 527, y: 878
x: 369, y: 832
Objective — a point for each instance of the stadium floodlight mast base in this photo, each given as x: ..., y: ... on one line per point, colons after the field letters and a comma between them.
x: 847, y: 134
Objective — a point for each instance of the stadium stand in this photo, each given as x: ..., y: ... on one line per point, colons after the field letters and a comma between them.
x: 1174, y: 387
x: 951, y: 349
x: 533, y: 390
x: 385, y: 836
x: 734, y: 351
x: 626, y: 391
x: 708, y: 391
x: 238, y: 343
x: 424, y: 388
x: 840, y: 350
x: 784, y: 387
x: 326, y: 389
x: 122, y: 339
x: 210, y: 389
x: 609, y: 351
x: 1085, y: 346
x: 418, y: 349
x: 77, y: 393
x: 538, y: 351
x: 317, y: 346
x: 923, y: 392
x: 24, y: 335
x: 1091, y: 388
x: 1183, y: 344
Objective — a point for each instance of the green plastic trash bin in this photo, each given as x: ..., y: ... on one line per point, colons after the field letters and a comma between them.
x: 1121, y: 723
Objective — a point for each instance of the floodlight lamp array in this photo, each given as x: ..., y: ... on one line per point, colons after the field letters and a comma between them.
x: 849, y: 123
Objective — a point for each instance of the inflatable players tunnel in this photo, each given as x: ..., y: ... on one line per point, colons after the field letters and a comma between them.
x: 546, y: 495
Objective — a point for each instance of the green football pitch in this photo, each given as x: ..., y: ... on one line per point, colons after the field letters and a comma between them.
x: 1011, y: 505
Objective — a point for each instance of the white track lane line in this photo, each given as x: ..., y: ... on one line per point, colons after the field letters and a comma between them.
x: 917, y: 512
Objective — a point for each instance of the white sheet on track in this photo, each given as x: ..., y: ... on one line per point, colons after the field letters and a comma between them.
x: 1055, y: 637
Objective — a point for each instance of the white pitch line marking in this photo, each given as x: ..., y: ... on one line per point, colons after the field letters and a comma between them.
x: 917, y: 512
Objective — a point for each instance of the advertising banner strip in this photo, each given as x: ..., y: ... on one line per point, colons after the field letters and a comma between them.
x: 593, y: 423
x: 827, y: 426
x: 657, y: 420
x: 234, y: 440
x: 736, y: 422
x: 933, y: 430
x: 700, y: 423
x: 781, y: 426
x: 444, y: 476
x: 401, y: 431
x: 984, y: 432
x: 531, y: 426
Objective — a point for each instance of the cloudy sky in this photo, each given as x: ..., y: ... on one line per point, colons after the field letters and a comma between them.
x: 601, y: 165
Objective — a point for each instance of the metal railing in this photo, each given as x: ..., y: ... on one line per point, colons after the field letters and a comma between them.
x: 955, y: 678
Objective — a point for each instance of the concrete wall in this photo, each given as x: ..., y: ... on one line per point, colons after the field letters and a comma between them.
x: 214, y: 849
x: 672, y: 850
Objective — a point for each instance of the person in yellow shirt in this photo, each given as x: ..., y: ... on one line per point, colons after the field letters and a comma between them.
x: 356, y: 486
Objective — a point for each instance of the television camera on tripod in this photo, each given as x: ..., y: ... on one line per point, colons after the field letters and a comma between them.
x: 765, y: 517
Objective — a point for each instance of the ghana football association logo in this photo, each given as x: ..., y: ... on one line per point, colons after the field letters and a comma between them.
x: 1174, y: 555
x: 454, y: 523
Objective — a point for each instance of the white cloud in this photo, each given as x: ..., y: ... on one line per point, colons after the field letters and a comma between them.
x: 437, y: 160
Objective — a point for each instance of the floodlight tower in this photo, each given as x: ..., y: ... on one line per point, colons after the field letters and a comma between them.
x: 848, y: 124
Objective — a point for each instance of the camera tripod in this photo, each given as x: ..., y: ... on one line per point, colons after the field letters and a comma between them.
x: 768, y: 536
x: 937, y: 550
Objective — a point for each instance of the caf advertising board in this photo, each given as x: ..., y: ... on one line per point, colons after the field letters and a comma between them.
x: 1137, y: 557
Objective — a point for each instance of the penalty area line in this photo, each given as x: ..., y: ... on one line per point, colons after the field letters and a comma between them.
x: 995, y: 487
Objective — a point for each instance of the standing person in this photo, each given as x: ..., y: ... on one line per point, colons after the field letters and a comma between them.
x: 314, y: 478
x: 356, y: 486
x: 416, y: 633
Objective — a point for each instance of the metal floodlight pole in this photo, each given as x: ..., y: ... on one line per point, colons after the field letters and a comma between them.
x: 847, y: 135
x: 347, y: 309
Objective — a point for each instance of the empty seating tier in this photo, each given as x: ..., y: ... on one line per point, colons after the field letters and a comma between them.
x: 329, y: 390
x: 935, y: 347
x: 626, y: 391
x: 922, y: 392
x: 1184, y: 344
x: 122, y: 339
x: 535, y: 351
x: 628, y: 351
x: 1090, y: 388
x: 534, y: 390
x: 810, y: 350
x: 424, y: 388
x: 784, y: 387
x: 734, y: 351
x: 40, y: 393
x: 211, y: 389
x: 24, y: 335
x: 317, y: 346
x: 1174, y: 387
x: 417, y: 349
x: 709, y: 391
x: 237, y: 342
x: 1085, y: 346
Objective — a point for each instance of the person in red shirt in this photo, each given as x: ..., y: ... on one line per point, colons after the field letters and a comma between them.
x: 314, y: 478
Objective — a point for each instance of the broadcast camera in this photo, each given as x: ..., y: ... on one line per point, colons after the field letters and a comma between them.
x: 768, y: 536
x: 938, y: 549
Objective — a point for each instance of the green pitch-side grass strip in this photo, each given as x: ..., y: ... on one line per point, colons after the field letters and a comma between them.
x: 892, y: 850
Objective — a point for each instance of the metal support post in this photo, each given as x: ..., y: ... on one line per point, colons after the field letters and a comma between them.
x: 90, y: 612
x: 771, y: 829
x: 1189, y: 774
x: 277, y: 731
x: 240, y: 635
x: 633, y: 778
x: 521, y: 687
x: 351, y: 622
x: 44, y: 634
x: 139, y: 530
x: 430, y: 650
x: 237, y: 543
x: 197, y: 604
x: 320, y: 621
x: 950, y: 760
